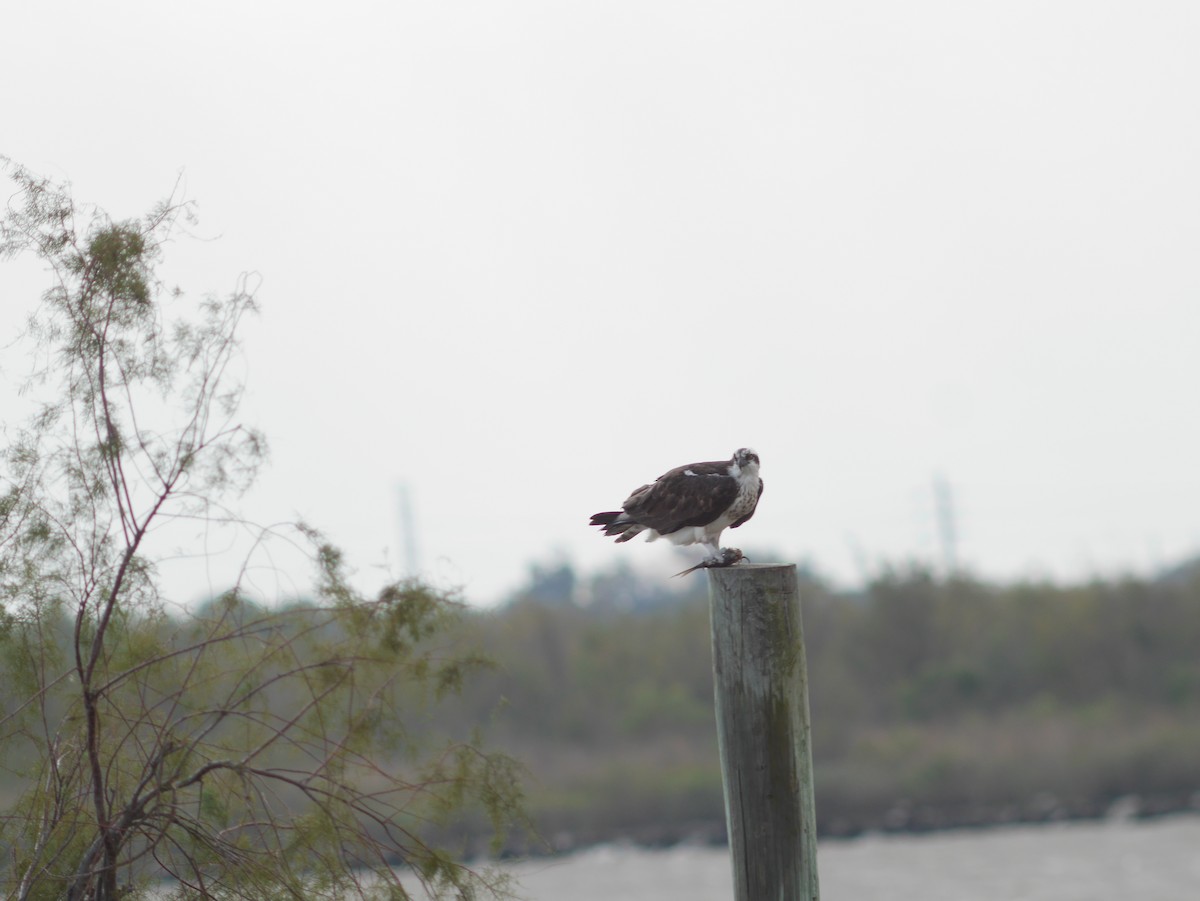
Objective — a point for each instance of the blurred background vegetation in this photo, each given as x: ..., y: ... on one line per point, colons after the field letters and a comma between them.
x: 937, y: 701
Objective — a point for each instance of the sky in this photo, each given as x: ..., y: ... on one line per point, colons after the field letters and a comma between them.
x: 519, y: 258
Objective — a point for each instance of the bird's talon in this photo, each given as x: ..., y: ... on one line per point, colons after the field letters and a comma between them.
x: 730, y: 556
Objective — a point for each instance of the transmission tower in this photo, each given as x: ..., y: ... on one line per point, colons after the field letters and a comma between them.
x: 947, y: 526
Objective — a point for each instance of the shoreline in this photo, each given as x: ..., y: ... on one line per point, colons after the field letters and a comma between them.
x: 903, y: 818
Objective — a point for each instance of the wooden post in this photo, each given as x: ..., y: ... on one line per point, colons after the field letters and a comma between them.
x: 761, y: 687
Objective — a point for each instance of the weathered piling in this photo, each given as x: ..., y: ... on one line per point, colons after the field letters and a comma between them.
x: 761, y: 686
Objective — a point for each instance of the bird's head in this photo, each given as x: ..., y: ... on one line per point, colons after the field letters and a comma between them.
x: 745, y: 458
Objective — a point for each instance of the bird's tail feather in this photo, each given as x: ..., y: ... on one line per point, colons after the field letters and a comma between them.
x: 617, y: 523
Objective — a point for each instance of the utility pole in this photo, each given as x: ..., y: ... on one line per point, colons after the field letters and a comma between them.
x: 408, y: 531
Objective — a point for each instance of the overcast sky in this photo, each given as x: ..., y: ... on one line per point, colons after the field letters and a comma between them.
x: 522, y: 257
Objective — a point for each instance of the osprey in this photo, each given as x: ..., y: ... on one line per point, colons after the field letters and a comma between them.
x: 692, y: 504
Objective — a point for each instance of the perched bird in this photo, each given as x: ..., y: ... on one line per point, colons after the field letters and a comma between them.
x: 692, y: 504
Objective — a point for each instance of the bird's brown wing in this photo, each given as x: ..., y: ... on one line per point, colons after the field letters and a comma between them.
x: 691, y: 495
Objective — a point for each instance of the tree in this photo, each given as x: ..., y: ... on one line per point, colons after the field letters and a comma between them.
x: 246, y: 750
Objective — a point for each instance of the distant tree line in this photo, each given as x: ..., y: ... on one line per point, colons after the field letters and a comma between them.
x: 935, y: 701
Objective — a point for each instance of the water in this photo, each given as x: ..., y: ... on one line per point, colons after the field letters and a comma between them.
x: 1156, y: 860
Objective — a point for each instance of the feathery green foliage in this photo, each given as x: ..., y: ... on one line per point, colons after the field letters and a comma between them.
x: 246, y: 751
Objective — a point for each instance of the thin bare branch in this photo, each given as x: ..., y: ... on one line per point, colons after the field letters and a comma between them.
x: 245, y: 747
